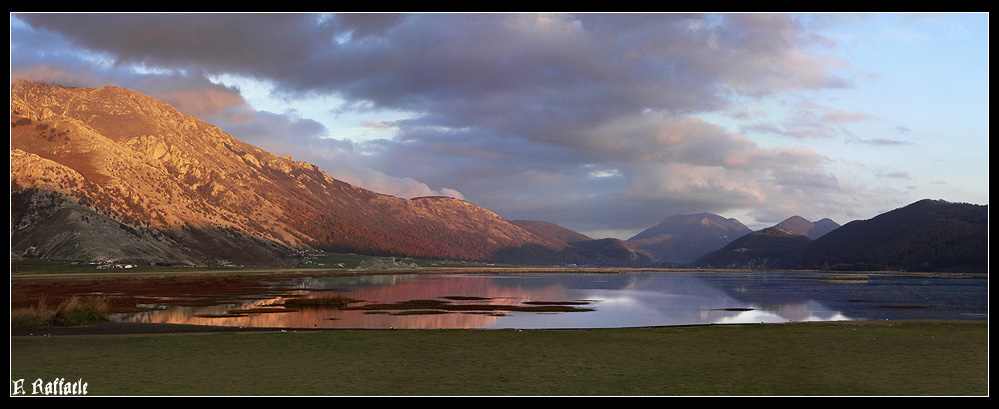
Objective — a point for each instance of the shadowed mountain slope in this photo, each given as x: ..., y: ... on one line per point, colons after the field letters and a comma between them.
x: 759, y: 249
x: 605, y: 252
x: 928, y: 235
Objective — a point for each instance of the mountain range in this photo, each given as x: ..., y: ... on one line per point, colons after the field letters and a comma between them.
x: 928, y: 235
x: 111, y: 174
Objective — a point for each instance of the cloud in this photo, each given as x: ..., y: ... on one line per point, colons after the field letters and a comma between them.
x: 376, y: 125
x: 897, y: 175
x: 539, y: 76
x: 882, y: 142
x: 212, y: 42
x: 200, y: 98
x: 305, y: 139
x: 651, y: 168
x: 807, y: 120
x: 593, y: 121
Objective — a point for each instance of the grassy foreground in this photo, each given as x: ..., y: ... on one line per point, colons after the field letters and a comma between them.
x: 846, y: 358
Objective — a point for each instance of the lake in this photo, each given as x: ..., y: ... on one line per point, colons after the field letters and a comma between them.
x: 590, y: 300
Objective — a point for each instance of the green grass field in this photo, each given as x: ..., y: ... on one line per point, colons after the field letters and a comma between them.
x: 896, y: 358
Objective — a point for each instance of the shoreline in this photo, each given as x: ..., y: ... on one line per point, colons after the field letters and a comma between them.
x: 115, y: 328
x: 323, y: 272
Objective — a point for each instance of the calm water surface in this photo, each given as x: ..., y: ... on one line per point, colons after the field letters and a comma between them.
x: 603, y: 300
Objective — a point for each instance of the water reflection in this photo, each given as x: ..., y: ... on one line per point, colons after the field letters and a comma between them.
x: 607, y: 300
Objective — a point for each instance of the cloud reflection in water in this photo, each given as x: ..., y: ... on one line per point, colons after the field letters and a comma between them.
x: 617, y: 300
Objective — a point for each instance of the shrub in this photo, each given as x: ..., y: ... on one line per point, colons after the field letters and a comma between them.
x: 72, y: 312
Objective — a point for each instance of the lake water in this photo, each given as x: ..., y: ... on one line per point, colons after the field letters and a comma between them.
x: 431, y: 301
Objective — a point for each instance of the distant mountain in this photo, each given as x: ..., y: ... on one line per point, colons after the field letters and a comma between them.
x: 605, y: 252
x: 682, y: 239
x: 551, y: 231
x: 760, y: 249
x: 109, y: 173
x: 613, y: 252
x: 767, y: 248
x: 928, y: 235
x: 801, y: 226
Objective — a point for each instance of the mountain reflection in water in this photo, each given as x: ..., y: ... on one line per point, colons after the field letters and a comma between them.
x: 602, y: 300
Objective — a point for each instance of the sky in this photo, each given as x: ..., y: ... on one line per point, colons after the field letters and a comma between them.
x: 601, y: 123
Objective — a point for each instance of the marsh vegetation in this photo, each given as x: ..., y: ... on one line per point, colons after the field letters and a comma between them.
x: 74, y: 311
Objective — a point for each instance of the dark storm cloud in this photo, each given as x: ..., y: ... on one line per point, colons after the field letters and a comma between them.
x: 362, y: 25
x: 544, y: 77
x: 212, y: 42
x: 547, y: 77
x: 582, y: 120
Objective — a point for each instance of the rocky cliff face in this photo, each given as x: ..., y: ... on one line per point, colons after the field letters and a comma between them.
x: 122, y: 157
